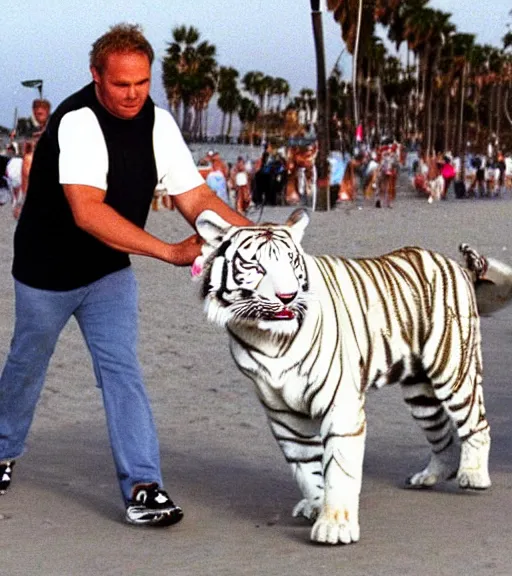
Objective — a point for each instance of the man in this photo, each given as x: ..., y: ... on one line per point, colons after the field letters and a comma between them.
x: 40, y: 116
x: 13, y: 172
x: 212, y: 157
x: 216, y: 180
x: 240, y: 183
x: 104, y: 151
x: 5, y: 160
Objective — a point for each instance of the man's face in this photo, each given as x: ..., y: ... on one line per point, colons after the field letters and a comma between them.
x: 123, y: 84
x: 41, y: 114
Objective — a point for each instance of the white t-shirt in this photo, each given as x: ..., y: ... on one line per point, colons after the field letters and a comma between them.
x: 83, y: 155
x: 508, y: 166
x: 13, y: 172
x: 241, y: 179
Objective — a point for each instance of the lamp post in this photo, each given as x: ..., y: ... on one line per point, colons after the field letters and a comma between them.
x: 34, y: 84
x: 322, y: 201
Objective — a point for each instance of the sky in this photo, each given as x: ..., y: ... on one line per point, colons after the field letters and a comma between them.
x: 51, y: 40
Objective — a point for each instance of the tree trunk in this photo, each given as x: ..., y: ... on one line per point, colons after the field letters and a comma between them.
x: 435, y: 123
x: 379, y: 103
x: 461, y: 145
x: 498, y: 112
x: 505, y: 106
x: 230, y: 123
x: 322, y: 201
x: 222, y: 126
x: 447, y: 127
x: 426, y: 91
x: 417, y: 96
x: 491, y: 112
x: 367, y: 105
x: 355, y: 92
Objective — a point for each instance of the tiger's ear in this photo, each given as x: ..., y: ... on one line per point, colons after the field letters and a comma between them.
x: 298, y: 221
x: 211, y: 227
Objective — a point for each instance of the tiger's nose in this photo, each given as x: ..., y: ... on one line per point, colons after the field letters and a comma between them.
x: 286, y: 298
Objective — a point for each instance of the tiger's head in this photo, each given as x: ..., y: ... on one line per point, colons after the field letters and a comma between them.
x: 254, y: 276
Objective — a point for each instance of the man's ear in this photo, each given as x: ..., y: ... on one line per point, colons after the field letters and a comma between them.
x: 95, y: 74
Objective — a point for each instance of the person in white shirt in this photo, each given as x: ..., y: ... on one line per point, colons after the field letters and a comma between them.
x: 95, y: 168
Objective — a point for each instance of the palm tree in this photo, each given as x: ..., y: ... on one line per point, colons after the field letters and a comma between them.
x: 390, y: 78
x: 416, y: 27
x: 453, y: 68
x: 248, y: 113
x: 281, y: 89
x: 229, y: 97
x: 357, y: 19
x: 507, y: 45
x: 442, y: 29
x: 371, y: 68
x: 339, y: 92
x: 480, y: 79
x: 187, y: 73
x: 250, y: 80
x: 206, y: 77
x: 305, y: 101
x: 201, y: 103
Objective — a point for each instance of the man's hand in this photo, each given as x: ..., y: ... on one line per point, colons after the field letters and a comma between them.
x: 185, y: 252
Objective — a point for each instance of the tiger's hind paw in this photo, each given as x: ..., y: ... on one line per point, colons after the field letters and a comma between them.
x: 441, y: 467
x: 474, y: 262
x: 423, y: 479
x: 306, y: 509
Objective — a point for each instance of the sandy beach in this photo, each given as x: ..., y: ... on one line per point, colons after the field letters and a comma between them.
x: 63, y: 515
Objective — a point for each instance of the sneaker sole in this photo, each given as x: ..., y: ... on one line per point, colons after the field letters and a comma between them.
x: 160, y: 519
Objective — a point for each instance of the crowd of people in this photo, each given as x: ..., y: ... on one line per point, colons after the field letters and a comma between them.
x: 368, y: 176
x: 482, y: 176
x: 371, y: 174
x: 243, y: 183
x: 287, y: 175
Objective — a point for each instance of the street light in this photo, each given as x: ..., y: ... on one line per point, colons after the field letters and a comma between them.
x: 34, y: 84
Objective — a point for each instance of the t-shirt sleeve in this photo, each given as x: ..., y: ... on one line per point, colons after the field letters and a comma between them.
x: 83, y: 157
x: 177, y: 171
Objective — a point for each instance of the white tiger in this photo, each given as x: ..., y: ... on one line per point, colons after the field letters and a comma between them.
x: 314, y: 333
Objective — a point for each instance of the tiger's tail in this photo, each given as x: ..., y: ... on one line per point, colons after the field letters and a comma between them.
x: 492, y: 280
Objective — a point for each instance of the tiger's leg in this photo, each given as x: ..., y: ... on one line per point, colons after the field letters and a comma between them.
x: 302, y: 447
x: 343, y: 432
x: 456, y: 399
x: 429, y: 412
x: 465, y: 404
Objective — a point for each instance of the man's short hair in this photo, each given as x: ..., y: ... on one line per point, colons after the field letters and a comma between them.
x: 41, y: 103
x: 120, y: 38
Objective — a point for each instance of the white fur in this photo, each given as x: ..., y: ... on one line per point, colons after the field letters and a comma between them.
x: 364, y: 325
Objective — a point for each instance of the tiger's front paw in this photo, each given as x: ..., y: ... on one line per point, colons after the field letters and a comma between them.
x: 306, y: 509
x: 336, y: 526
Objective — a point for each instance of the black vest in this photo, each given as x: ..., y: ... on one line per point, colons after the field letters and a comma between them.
x: 50, y: 251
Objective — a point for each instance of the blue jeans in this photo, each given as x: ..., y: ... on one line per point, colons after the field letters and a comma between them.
x: 106, y: 312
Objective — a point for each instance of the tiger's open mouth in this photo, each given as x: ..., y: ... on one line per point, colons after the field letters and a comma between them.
x: 284, y: 314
